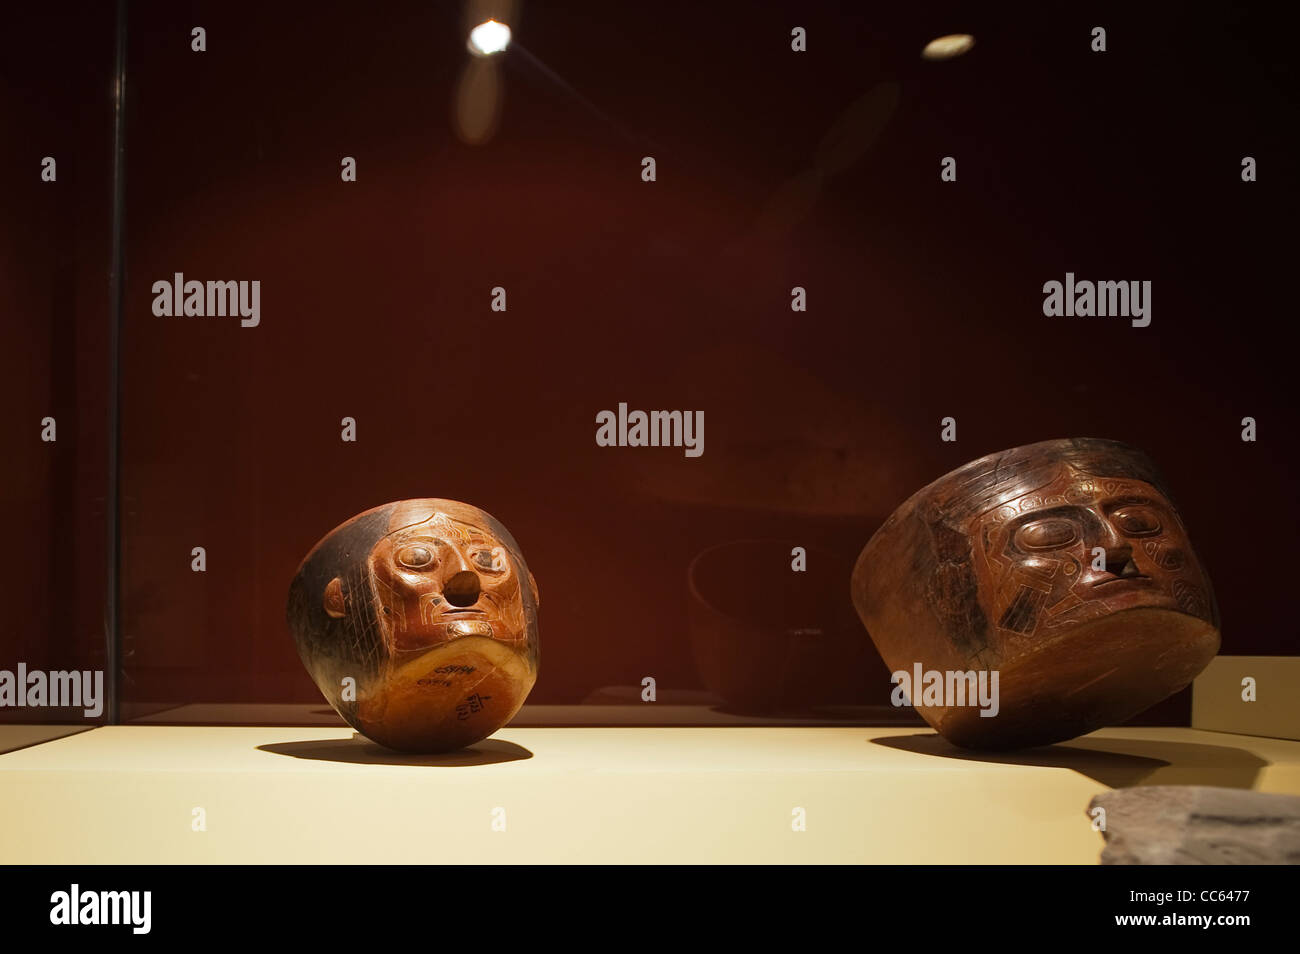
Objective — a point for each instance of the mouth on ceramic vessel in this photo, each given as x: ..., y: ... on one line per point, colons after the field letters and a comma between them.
x: 1121, y: 570
x: 463, y: 614
x: 459, y: 625
x: 1115, y: 582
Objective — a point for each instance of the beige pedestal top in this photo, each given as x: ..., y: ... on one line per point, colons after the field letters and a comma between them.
x: 213, y: 794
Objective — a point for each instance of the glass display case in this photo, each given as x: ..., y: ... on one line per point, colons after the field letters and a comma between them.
x: 691, y: 304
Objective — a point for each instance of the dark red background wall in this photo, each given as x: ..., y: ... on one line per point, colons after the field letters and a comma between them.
x: 924, y: 297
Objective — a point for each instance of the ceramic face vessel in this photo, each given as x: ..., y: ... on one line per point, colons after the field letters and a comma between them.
x: 1063, y: 567
x: 418, y: 622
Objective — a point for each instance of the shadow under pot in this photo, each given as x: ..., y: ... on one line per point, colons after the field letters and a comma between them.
x: 766, y: 637
x: 1057, y: 576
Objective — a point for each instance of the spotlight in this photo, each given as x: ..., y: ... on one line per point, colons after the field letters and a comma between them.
x: 488, y: 38
x: 947, y: 47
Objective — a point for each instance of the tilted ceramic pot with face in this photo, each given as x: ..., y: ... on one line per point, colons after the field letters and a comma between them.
x: 418, y: 622
x: 1061, y: 566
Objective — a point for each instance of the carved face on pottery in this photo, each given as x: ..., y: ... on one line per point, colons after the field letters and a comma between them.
x: 438, y: 578
x: 1081, y: 547
x: 418, y: 621
x: 1061, y: 566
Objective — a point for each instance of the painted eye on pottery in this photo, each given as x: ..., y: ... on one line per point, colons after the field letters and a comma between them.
x: 427, y: 661
x: 1047, y: 535
x: 491, y: 560
x: 417, y: 558
x: 1136, y: 521
x: 957, y: 594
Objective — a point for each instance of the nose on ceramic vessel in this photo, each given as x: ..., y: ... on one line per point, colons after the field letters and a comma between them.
x: 461, y: 589
x: 1119, y: 562
x: 1106, y: 535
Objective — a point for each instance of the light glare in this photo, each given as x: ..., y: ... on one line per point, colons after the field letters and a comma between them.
x: 488, y: 38
x: 946, y: 47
